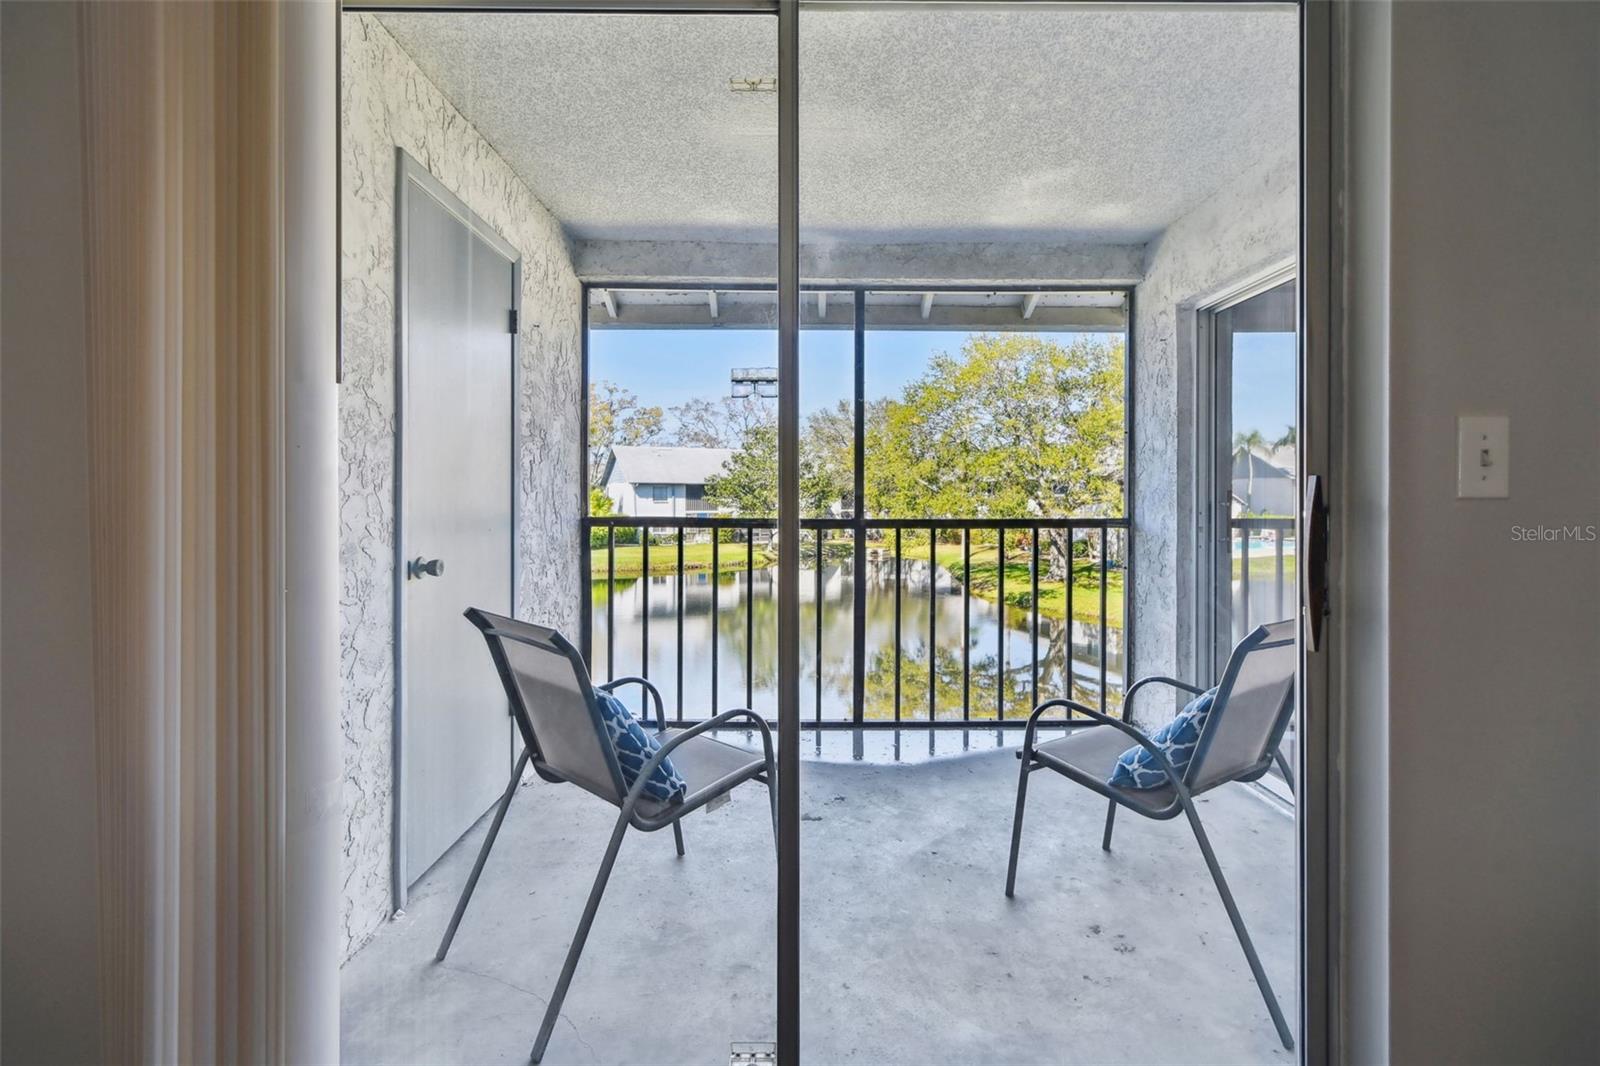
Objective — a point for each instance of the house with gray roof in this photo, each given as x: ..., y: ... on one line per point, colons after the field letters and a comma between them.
x: 661, y: 482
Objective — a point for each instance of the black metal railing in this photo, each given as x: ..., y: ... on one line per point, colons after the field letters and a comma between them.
x: 1065, y: 553
x: 1249, y: 539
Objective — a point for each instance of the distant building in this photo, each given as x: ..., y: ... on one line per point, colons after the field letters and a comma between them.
x: 655, y: 482
x: 1268, y: 488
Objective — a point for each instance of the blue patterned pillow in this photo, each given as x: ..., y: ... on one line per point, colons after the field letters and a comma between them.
x: 1137, y: 768
x: 635, y: 747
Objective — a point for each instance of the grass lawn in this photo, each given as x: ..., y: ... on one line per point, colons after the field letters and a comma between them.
x: 1265, y: 568
x: 664, y: 559
x: 1019, y: 590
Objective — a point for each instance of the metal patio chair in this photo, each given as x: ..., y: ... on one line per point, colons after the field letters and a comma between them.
x: 565, y: 739
x: 1240, y: 740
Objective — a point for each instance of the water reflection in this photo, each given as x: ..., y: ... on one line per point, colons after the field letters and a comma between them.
x: 744, y: 619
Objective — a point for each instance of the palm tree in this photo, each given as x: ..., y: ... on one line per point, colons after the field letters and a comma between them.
x: 1287, y: 440
x: 1245, y: 446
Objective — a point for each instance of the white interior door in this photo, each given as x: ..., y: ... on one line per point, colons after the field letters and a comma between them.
x: 456, y: 366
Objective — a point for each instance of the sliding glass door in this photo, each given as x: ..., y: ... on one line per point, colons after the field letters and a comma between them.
x: 855, y: 345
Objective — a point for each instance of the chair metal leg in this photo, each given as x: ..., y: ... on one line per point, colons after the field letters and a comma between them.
x: 677, y: 836
x: 772, y: 801
x: 1111, y: 816
x: 1016, y: 827
x: 483, y: 855
x: 1283, y: 768
x: 553, y: 1010
x: 1249, y: 947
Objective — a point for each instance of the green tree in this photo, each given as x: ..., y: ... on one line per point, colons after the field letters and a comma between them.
x: 616, y: 417
x: 748, y: 482
x: 723, y: 423
x: 827, y: 448
x: 1013, y: 425
x: 1288, y: 439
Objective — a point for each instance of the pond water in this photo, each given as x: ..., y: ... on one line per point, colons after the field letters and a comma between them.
x: 745, y: 617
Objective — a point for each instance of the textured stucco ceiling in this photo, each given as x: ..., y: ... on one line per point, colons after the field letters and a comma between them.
x: 1054, y: 125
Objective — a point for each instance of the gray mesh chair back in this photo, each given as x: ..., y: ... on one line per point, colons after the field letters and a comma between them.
x: 1254, y: 701
x: 554, y: 703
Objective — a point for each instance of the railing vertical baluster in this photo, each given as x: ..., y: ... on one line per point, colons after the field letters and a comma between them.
x: 818, y: 608
x: 897, y: 623
x: 966, y: 623
x: 611, y: 607
x: 933, y: 631
x: 1033, y: 668
x: 644, y: 624
x: 1072, y: 579
x: 680, y: 623
x: 716, y: 633
x: 749, y: 616
x: 1000, y: 608
x: 1105, y: 627
x: 858, y: 618
x: 1244, y: 582
x: 1277, y: 563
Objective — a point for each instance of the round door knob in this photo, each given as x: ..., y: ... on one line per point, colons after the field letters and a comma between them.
x: 420, y: 567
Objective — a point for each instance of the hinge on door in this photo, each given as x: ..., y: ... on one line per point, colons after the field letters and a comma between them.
x: 513, y: 321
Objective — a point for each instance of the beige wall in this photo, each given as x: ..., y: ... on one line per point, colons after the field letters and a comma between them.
x: 1492, y: 659
x: 48, y: 959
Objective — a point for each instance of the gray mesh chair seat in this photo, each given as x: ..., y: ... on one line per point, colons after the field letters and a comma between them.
x: 1239, y: 742
x: 1088, y: 756
x: 565, y: 739
x: 708, y: 767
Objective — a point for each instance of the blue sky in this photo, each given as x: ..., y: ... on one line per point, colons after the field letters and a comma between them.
x: 1263, y: 383
x: 666, y: 367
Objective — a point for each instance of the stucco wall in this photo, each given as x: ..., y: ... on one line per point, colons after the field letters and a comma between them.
x: 1246, y: 229
x: 387, y: 102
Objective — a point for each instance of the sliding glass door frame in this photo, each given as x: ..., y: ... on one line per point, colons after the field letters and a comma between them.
x: 1213, y: 455
x: 1318, y: 797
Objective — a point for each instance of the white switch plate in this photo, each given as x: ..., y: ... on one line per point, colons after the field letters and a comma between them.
x: 1483, y: 456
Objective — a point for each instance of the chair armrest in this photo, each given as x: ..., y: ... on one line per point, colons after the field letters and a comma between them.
x: 1105, y: 719
x: 1155, y: 679
x: 655, y: 694
x: 666, y: 749
x: 1033, y: 722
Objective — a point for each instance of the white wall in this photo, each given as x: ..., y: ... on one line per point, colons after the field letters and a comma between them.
x: 1494, y: 645
x: 1492, y: 843
x: 629, y: 500
x: 389, y: 102
x: 1247, y: 228
x: 1362, y: 520
x: 48, y: 958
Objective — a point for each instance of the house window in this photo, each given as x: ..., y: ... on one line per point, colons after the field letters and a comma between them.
x: 656, y: 493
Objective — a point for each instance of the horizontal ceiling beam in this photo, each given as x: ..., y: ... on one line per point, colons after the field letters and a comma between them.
x: 840, y: 314
x: 905, y: 265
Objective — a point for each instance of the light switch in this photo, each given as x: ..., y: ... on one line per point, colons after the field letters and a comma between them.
x: 1483, y: 456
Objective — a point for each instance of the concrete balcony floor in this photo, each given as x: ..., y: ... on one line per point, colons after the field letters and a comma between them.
x: 912, y: 953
